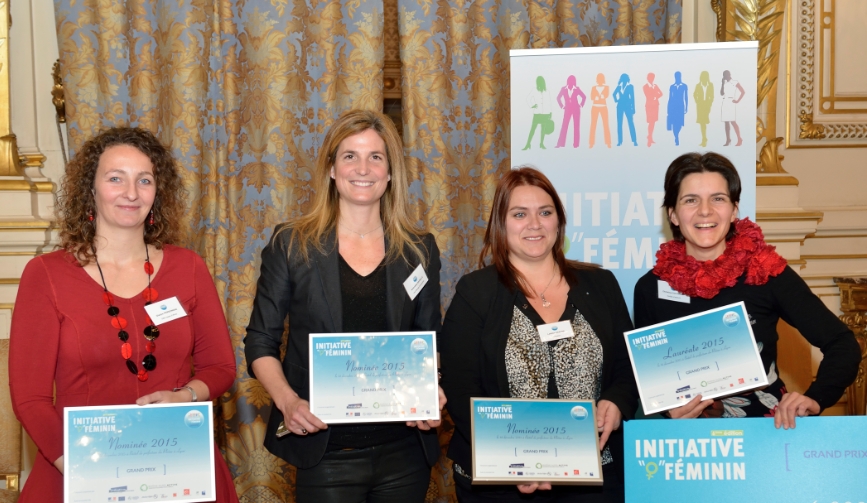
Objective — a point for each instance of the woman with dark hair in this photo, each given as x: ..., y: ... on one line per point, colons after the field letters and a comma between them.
x: 491, y: 346
x: 80, y: 333
x: 341, y: 268
x: 716, y: 259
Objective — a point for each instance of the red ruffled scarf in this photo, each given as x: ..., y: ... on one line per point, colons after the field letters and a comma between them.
x: 745, y: 252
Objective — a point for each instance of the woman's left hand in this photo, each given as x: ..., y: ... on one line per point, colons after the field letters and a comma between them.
x: 608, y: 419
x: 166, y: 396
x: 430, y: 423
x: 535, y: 486
x: 794, y: 405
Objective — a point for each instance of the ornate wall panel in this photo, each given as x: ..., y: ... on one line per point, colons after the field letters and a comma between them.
x: 827, y: 81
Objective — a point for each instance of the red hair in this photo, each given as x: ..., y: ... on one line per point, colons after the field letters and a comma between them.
x: 496, y: 242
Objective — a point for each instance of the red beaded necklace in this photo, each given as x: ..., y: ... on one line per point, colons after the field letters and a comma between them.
x: 151, y: 332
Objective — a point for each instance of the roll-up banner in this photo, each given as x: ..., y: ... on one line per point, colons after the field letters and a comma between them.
x: 604, y: 123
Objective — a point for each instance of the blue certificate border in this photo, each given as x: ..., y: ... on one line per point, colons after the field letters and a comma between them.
x: 490, y: 416
x: 645, y: 374
x: 358, y: 415
x: 203, y: 432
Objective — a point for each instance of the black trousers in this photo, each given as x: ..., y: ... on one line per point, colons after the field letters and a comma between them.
x: 396, y: 472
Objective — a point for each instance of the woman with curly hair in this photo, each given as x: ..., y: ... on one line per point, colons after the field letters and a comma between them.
x: 80, y: 334
x: 714, y: 260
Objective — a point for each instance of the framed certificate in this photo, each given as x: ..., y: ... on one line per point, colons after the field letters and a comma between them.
x: 712, y: 353
x: 518, y: 441
x: 160, y: 452
x: 374, y: 377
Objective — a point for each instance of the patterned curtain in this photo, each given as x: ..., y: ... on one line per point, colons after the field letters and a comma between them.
x: 243, y: 92
x: 455, y: 64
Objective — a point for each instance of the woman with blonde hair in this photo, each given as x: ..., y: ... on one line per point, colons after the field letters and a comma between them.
x: 340, y: 268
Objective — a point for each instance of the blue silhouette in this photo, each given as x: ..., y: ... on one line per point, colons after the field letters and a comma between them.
x: 678, y: 105
x: 624, y: 96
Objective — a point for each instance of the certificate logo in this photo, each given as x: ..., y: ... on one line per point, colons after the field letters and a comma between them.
x: 339, y: 348
x: 354, y: 406
x: 579, y: 413
x: 194, y: 419
x: 731, y: 319
x: 163, y: 307
x: 118, y: 489
x: 503, y: 411
x: 418, y: 346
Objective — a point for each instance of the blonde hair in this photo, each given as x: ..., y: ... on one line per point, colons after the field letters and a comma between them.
x: 400, y: 232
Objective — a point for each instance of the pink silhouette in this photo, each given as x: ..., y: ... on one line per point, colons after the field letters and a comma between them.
x: 652, y: 93
x: 568, y: 101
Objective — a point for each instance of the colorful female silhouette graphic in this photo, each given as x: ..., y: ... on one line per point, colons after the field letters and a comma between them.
x: 678, y: 105
x: 599, y: 96
x: 624, y: 96
x: 729, y: 116
x: 538, y: 101
x: 568, y: 101
x: 652, y: 93
x: 703, y: 97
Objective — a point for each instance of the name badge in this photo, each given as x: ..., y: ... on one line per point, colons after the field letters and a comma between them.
x: 415, y: 282
x: 666, y: 292
x: 555, y: 331
x: 162, y: 311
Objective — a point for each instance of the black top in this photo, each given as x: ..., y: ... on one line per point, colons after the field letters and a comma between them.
x: 785, y: 297
x: 310, y: 294
x: 364, y: 311
x: 476, y: 330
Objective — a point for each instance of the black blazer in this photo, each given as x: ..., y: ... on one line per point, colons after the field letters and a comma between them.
x: 476, y: 329
x: 310, y: 295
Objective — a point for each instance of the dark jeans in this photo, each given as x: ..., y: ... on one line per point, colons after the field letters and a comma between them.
x: 610, y: 492
x: 396, y: 472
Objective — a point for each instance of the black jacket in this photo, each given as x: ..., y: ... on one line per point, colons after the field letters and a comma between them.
x: 476, y: 329
x: 310, y: 295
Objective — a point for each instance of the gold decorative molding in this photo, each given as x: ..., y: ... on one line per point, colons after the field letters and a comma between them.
x: 391, y: 88
x: 776, y: 181
x: 9, y: 281
x: 779, y: 216
x: 853, y: 303
x: 24, y: 185
x: 770, y: 161
x: 57, y: 93
x: 25, y: 225
x: 842, y: 256
x: 809, y: 130
x: 10, y: 162
x: 762, y: 21
x: 818, y: 110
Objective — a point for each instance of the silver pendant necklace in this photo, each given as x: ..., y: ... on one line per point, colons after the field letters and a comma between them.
x: 545, y: 302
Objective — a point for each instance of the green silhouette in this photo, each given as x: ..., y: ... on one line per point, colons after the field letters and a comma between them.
x: 703, y: 97
x: 538, y: 101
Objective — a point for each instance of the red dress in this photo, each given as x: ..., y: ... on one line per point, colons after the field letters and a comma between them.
x: 62, y: 338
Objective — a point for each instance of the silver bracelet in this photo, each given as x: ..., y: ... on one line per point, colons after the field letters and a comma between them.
x: 191, y: 390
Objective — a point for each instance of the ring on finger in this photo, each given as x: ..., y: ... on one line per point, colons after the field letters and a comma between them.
x: 303, y: 431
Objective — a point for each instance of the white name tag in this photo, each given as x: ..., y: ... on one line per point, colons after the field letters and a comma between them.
x: 555, y: 331
x: 415, y: 282
x: 668, y: 293
x: 162, y: 311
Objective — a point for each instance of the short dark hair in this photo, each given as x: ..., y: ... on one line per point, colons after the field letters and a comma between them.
x: 691, y: 163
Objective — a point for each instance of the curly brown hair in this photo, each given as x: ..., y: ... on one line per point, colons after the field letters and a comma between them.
x: 75, y: 201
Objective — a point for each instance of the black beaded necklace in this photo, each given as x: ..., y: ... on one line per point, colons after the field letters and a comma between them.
x: 151, y: 332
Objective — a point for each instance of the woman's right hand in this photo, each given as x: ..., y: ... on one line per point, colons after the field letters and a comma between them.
x: 693, y: 408
x: 297, y: 416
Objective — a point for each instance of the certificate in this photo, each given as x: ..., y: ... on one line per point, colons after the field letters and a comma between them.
x: 518, y: 441
x: 712, y: 353
x: 374, y: 377
x: 823, y: 459
x: 159, y: 452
